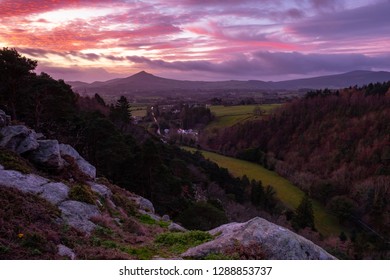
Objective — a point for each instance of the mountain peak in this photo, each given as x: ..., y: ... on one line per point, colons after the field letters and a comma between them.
x: 143, y: 74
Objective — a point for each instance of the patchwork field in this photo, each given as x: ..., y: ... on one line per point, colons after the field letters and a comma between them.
x: 289, y: 194
x: 229, y: 115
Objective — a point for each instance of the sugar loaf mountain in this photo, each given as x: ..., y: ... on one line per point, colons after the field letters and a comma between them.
x: 215, y: 176
x: 146, y: 82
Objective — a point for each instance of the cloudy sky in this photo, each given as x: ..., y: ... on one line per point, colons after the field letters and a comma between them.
x: 92, y: 40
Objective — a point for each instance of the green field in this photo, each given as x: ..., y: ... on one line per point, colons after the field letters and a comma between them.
x: 138, y: 110
x: 229, y: 115
x: 289, y: 194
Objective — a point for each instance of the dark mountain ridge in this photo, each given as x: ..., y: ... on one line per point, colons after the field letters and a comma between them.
x: 146, y: 82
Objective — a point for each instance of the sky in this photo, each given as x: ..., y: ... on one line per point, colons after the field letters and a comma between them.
x: 97, y: 40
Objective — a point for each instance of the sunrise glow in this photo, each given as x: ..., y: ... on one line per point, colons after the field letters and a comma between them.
x: 188, y: 39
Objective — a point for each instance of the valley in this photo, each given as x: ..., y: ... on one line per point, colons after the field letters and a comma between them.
x: 326, y: 223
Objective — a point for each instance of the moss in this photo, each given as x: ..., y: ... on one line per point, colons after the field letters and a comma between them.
x: 103, y: 231
x: 82, y: 193
x: 179, y: 242
x: 163, y: 224
x: 109, y: 244
x: 142, y: 253
x: 13, y: 161
x: 218, y: 256
x: 125, y: 203
x: 147, y: 220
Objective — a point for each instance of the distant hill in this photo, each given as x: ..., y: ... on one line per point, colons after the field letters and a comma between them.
x: 146, y: 82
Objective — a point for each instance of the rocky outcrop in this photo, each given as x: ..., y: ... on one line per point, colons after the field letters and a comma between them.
x: 44, y: 153
x: 27, y: 183
x: 78, y: 214
x: 48, y: 154
x: 74, y: 213
x: 84, y: 166
x: 270, y: 241
x: 19, y: 139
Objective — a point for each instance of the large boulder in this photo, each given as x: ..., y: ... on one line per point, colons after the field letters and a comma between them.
x: 101, y: 190
x: 78, y: 214
x: 143, y: 203
x: 4, y: 119
x: 176, y: 228
x: 19, y: 139
x: 28, y: 183
x: 48, y: 154
x: 34, y: 184
x: 55, y: 193
x: 270, y: 241
x: 84, y: 166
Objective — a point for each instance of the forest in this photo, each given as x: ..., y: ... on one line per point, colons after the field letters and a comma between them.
x: 334, y: 145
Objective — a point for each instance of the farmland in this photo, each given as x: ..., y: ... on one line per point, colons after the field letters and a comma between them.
x: 229, y: 115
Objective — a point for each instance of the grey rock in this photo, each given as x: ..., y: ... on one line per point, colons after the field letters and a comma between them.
x: 34, y: 184
x: 101, y: 190
x: 84, y: 166
x: 275, y: 242
x: 48, y: 154
x: 165, y: 218
x: 40, y: 136
x: 78, y: 214
x: 19, y: 139
x: 176, y: 228
x: 3, y: 119
x: 55, y: 193
x: 64, y: 251
x: 1, y: 167
x: 28, y: 183
x: 143, y: 203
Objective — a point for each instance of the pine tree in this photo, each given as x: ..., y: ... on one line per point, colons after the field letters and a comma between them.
x: 304, y: 216
x: 120, y: 113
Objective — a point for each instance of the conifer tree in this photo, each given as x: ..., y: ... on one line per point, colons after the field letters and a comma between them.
x: 304, y: 216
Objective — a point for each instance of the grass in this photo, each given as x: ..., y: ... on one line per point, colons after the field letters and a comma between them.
x: 230, y: 115
x: 289, y: 194
x: 179, y: 242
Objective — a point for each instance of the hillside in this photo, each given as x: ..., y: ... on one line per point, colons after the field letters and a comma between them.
x: 334, y: 146
x: 146, y: 82
x: 45, y: 216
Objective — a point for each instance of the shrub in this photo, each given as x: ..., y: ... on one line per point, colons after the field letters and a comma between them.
x: 125, y: 203
x: 13, y: 161
x: 202, y: 216
x: 82, y: 193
